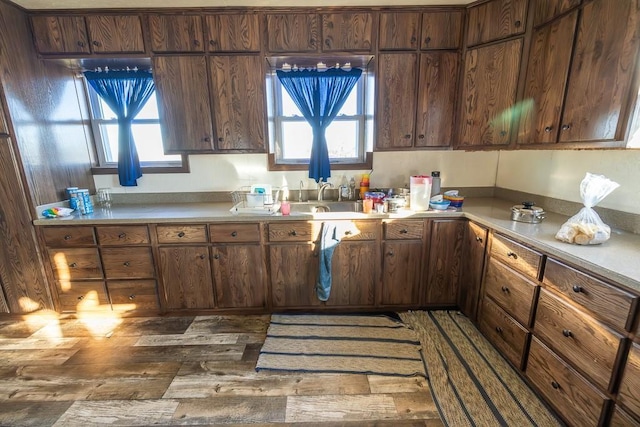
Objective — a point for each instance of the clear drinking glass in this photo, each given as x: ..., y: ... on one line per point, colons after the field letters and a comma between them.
x: 104, y: 197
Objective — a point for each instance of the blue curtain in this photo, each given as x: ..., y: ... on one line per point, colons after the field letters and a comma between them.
x: 125, y: 92
x: 319, y: 95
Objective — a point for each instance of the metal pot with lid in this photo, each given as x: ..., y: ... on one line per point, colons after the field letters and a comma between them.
x: 526, y: 212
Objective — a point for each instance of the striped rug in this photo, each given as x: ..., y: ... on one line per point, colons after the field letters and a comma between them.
x: 377, y: 345
x: 471, y: 384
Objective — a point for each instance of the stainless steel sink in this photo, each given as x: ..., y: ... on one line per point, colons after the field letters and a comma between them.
x: 313, y: 207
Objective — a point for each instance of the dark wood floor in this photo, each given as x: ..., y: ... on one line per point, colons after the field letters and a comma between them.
x: 103, y: 370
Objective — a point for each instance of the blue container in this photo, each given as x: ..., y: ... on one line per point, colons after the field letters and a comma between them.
x: 84, y: 201
x: 72, y: 195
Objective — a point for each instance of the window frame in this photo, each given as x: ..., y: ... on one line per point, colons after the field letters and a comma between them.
x: 104, y: 167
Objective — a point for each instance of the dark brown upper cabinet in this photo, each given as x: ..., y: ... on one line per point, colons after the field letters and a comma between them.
x: 292, y: 32
x: 489, y: 92
x: 495, y: 20
x: 581, y: 95
x: 115, y: 33
x: 546, y: 80
x: 441, y: 30
x: 233, y: 33
x: 545, y: 11
x: 605, y: 58
x: 183, y: 102
x: 347, y: 31
x: 238, y: 102
x: 437, y: 89
x: 176, y: 33
x: 396, y: 100
x: 60, y: 34
x: 399, y: 31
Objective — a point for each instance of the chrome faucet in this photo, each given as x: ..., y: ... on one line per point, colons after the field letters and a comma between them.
x: 300, y: 191
x: 322, y: 188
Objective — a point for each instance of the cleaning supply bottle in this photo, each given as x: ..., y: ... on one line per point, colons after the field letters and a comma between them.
x: 435, y: 183
x: 364, y: 185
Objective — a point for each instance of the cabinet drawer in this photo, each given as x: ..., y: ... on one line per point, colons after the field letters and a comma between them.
x: 68, y: 237
x: 294, y: 231
x: 509, y: 337
x: 584, y: 342
x: 403, y: 230
x: 358, y: 230
x: 230, y: 233
x: 567, y: 391
x: 82, y: 296
x: 516, y: 255
x: 181, y: 233
x: 76, y: 263
x: 621, y: 419
x: 128, y: 263
x: 628, y: 393
x: 128, y: 295
x: 123, y: 235
x: 612, y: 305
x: 511, y: 290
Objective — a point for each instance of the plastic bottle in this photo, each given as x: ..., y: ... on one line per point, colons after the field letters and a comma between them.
x: 352, y: 189
x: 435, y: 183
x: 364, y: 185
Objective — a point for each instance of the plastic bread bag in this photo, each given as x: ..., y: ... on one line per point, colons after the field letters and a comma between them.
x: 586, y: 227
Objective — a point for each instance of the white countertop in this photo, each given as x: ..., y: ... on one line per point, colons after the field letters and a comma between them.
x: 617, y: 259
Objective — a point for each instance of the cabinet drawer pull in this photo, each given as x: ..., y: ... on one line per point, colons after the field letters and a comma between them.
x: 578, y: 289
x: 479, y: 239
x: 503, y: 132
x: 347, y: 233
x: 196, y: 42
x: 498, y: 329
x: 421, y: 136
x: 414, y: 39
x: 73, y: 265
x: 566, y: 127
x: 404, y: 231
x: 555, y: 385
x: 181, y: 234
x: 202, y: 256
x: 81, y: 297
x: 220, y: 139
x: 234, y: 233
x: 216, y: 256
x: 548, y: 129
x: 390, y: 253
x: 122, y: 235
x: 567, y: 333
x: 212, y: 42
x: 293, y: 233
x: 512, y: 255
x: 132, y: 297
x: 517, y: 23
x: 407, y: 136
x: 505, y: 289
x: 96, y: 43
x: 67, y: 237
x: 207, y: 139
x: 126, y: 264
x: 427, y: 40
x: 81, y: 43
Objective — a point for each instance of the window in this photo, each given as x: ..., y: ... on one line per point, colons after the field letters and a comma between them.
x: 348, y: 136
x: 146, y: 133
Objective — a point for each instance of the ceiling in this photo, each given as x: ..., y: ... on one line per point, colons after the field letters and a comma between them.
x: 141, y: 4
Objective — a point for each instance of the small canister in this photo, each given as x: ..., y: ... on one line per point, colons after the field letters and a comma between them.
x: 72, y: 195
x: 87, y: 205
x: 527, y: 212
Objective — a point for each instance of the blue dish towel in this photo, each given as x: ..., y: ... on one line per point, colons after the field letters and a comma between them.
x: 329, y: 239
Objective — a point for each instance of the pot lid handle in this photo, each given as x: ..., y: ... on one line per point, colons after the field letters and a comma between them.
x: 528, y: 205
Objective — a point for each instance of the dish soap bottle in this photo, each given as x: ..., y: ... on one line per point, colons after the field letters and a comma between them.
x: 435, y: 183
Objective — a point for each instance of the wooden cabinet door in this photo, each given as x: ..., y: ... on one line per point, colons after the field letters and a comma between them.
x: 605, y: 52
x: 60, y: 34
x: 441, y: 30
x: 292, y: 32
x: 115, y: 33
x: 546, y: 79
x: 489, y: 94
x: 396, y: 100
x: 239, y: 276
x: 186, y: 276
x: 176, y: 33
x: 294, y: 269
x: 401, y: 269
x: 445, y: 261
x: 472, y: 266
x: 399, y: 30
x: 183, y: 100
x: 628, y: 394
x: 496, y: 19
x: 237, y: 87
x: 437, y: 88
x: 4, y: 128
x: 354, y: 274
x: 233, y: 33
x: 544, y: 11
x: 347, y: 31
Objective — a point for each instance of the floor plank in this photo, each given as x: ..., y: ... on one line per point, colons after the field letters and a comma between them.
x: 119, y: 412
x: 228, y: 410
x: 49, y: 356
x: 28, y: 414
x: 389, y: 384
x: 340, y: 408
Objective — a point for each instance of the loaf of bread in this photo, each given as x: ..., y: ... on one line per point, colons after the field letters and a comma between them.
x: 582, y: 233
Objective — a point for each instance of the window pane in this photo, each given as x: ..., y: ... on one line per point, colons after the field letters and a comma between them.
x: 342, y: 139
x: 148, y: 140
x: 296, y: 140
x: 289, y: 108
x: 149, y: 111
x: 350, y: 107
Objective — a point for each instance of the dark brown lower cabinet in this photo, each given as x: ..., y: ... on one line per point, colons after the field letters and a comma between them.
x: 294, y: 268
x: 239, y: 276
x: 504, y: 332
x: 401, y: 270
x: 354, y: 274
x: 186, y: 273
x: 472, y: 265
x: 445, y: 258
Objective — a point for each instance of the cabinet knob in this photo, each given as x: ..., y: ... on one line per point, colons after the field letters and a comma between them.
x: 80, y: 43
x: 327, y: 42
x: 555, y: 385
x: 293, y: 233
x: 97, y: 43
x: 196, y: 42
x: 566, y: 127
x: 207, y: 139
x: 478, y: 239
x: 181, y: 234
x: 202, y: 256
x: 404, y: 231
x: 512, y: 255
x: 567, y: 333
x: 126, y: 264
x: 212, y: 42
x: 427, y: 40
x: 548, y: 129
x: 505, y: 289
x: 498, y: 329
x: 81, y: 297
x: 122, y: 235
x: 503, y: 132
x: 414, y: 39
x: 577, y: 289
x: 347, y: 233
x: 73, y: 265
x: 421, y: 136
x: 390, y: 253
x: 220, y: 139
x: 216, y: 256
x: 67, y: 237
x: 234, y: 233
x: 407, y: 136
x: 132, y: 297
x: 517, y: 23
